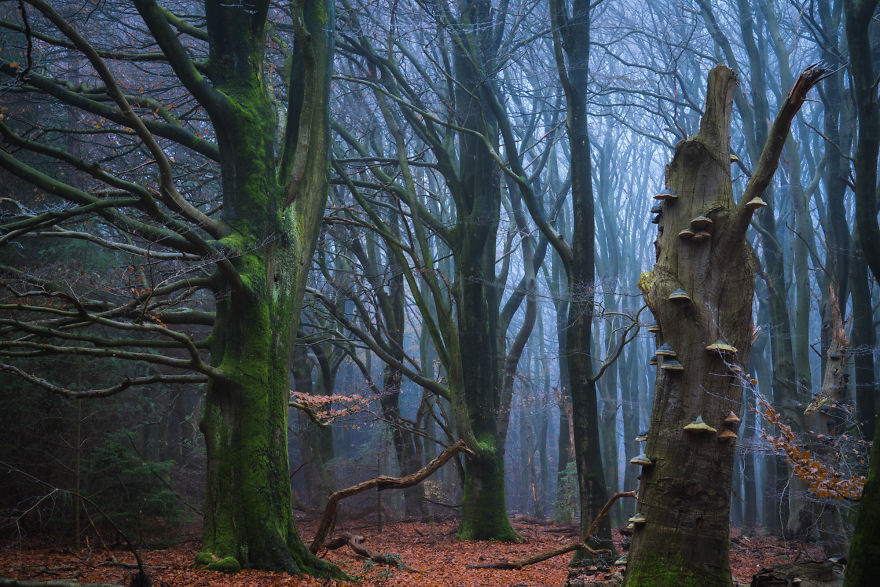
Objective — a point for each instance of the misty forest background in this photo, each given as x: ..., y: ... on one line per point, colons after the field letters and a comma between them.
x: 370, y: 387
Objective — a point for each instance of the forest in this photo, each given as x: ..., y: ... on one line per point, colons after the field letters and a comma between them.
x: 439, y: 292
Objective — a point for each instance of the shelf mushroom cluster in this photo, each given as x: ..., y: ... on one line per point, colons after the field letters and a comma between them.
x: 670, y: 362
x: 657, y: 208
x: 699, y: 230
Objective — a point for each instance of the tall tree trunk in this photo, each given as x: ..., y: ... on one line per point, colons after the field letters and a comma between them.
x: 863, y: 340
x: 316, y: 442
x: 825, y: 519
x: 571, y: 34
x: 684, y: 498
x: 478, y: 204
x: 864, y: 552
x: 274, y: 220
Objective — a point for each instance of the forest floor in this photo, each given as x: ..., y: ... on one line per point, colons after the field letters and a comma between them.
x: 429, y: 555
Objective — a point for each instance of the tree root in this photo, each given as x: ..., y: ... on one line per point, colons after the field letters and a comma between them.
x: 570, y: 547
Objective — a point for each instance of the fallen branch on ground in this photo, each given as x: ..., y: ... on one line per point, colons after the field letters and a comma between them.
x: 570, y: 547
x: 356, y: 543
x: 329, y: 518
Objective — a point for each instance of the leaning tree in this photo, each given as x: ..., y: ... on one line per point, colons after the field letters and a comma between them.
x: 700, y: 292
x: 205, y: 172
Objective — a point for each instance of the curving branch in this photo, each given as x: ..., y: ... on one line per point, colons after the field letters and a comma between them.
x: 772, y: 150
x: 328, y: 520
x: 101, y: 392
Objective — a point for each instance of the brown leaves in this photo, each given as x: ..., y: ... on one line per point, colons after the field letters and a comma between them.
x: 431, y: 548
x: 822, y: 480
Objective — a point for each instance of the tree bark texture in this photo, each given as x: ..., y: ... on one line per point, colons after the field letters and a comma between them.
x: 274, y: 224
x: 864, y: 554
x: 478, y: 204
x: 571, y: 43
x: 685, y: 491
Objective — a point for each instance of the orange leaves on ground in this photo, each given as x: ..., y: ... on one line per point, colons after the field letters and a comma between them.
x: 429, y: 555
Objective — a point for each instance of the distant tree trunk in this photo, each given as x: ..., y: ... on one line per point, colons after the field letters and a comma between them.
x: 822, y: 518
x: 478, y: 204
x: 685, y: 492
x: 571, y: 32
x: 630, y: 383
x: 393, y: 314
x: 316, y: 442
x: 773, y: 511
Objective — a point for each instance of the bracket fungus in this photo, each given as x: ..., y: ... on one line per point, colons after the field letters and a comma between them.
x: 755, y: 203
x: 657, y: 209
x: 638, y: 519
x: 653, y: 360
x: 642, y: 437
x: 680, y: 295
x: 667, y: 195
x: 701, y: 222
x: 734, y: 158
x: 702, y: 236
x: 732, y: 419
x: 621, y: 562
x: 666, y: 351
x: 728, y: 435
x: 655, y: 328
x: 655, y: 219
x: 672, y: 365
x: 686, y: 233
x: 719, y: 346
x: 698, y: 426
x: 641, y: 460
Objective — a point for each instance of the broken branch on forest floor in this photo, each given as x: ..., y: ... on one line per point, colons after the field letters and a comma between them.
x: 570, y: 547
x: 356, y: 543
x: 328, y: 520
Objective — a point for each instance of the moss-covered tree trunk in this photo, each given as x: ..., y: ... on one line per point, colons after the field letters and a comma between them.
x: 700, y: 292
x: 478, y: 204
x: 864, y: 554
x: 273, y: 199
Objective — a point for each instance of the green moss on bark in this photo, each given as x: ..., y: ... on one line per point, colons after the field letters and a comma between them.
x: 657, y: 571
x: 484, y: 511
x: 227, y: 565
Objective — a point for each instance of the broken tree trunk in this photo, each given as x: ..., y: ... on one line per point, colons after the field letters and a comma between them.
x: 822, y: 519
x: 700, y: 293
